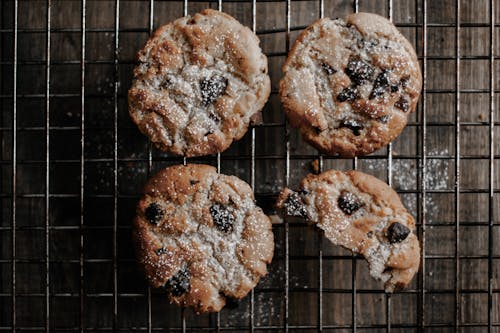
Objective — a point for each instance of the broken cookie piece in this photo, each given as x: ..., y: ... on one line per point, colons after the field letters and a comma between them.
x: 363, y: 214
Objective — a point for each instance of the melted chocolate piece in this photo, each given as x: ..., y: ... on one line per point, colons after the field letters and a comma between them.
x: 402, y: 104
x: 161, y: 251
x: 294, y: 206
x: 328, y: 69
x: 404, y: 81
x: 179, y: 283
x: 359, y: 71
x: 380, y: 84
x: 352, y: 124
x: 212, y: 88
x: 154, y: 213
x: 349, y: 203
x: 222, y: 218
x: 348, y: 94
x: 384, y: 119
x: 397, y: 232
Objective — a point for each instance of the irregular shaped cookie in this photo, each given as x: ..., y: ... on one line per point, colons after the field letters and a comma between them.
x: 199, y: 83
x: 350, y: 85
x: 200, y: 235
x: 364, y: 215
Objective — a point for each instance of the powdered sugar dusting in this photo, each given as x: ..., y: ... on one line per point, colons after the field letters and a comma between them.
x: 199, y: 81
x: 222, y: 254
x: 404, y: 177
x: 351, y: 81
x: 359, y: 220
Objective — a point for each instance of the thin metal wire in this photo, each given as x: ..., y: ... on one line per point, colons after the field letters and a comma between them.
x: 82, y: 171
x: 287, y: 180
x: 308, y: 328
x: 354, y: 260
x: 491, y: 202
x: 184, y: 162
x: 294, y: 257
x: 150, y: 165
x: 14, y: 168
x: 217, y: 316
x: 320, y: 237
x: 252, y: 172
x: 115, y: 163
x: 389, y: 181
x: 183, y: 321
x: 47, y: 171
x: 268, y: 290
x: 423, y: 168
x: 268, y: 54
x: 457, y: 165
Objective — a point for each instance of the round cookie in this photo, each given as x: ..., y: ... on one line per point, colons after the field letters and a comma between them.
x: 200, y: 81
x: 364, y: 215
x: 200, y: 235
x: 350, y: 85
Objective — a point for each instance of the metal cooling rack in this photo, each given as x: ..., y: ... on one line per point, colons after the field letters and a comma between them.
x: 52, y: 278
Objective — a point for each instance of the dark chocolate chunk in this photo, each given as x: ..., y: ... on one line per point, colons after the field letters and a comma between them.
x: 384, y: 119
x: 161, y: 251
x: 404, y: 81
x: 303, y: 192
x: 361, y: 43
x: 222, y: 218
x: 194, y: 181
x: 179, y: 283
x: 348, y: 94
x: 214, y: 117
x: 349, y: 203
x: 352, y: 124
x: 154, y: 213
x: 328, y: 69
x: 359, y: 71
x: 380, y: 84
x: 397, y: 232
x: 369, y: 234
x: 294, y: 206
x: 212, y: 88
x: 394, y: 88
x: 402, y: 104
x: 166, y: 84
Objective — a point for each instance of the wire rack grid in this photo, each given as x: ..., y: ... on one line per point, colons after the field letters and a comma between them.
x: 73, y: 164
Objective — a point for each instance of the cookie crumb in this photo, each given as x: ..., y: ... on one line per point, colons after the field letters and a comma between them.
x: 315, y: 165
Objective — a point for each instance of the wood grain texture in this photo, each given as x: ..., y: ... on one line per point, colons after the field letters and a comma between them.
x: 341, y: 309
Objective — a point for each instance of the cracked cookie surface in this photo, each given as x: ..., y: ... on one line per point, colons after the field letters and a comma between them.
x: 200, y: 81
x: 350, y: 85
x: 199, y: 235
x: 364, y: 215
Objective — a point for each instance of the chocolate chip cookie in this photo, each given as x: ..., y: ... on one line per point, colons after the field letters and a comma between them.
x: 200, y: 236
x: 350, y: 85
x: 199, y: 83
x: 364, y: 215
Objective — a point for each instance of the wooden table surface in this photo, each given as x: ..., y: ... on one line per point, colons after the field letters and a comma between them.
x: 74, y: 264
